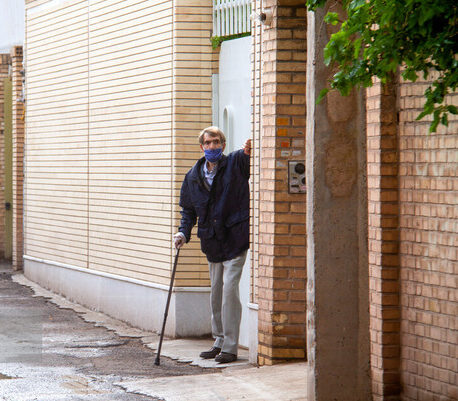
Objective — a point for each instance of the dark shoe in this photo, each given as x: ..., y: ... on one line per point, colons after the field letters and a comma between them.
x: 225, y: 357
x: 211, y: 353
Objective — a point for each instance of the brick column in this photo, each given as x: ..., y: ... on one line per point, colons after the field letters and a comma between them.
x: 382, y: 175
x: 4, y: 66
x: 18, y: 157
x: 282, y: 258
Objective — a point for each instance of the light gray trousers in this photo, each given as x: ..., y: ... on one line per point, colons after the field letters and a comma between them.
x: 225, y: 302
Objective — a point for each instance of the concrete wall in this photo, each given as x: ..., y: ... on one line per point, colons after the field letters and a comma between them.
x: 337, y: 287
x: 137, y: 302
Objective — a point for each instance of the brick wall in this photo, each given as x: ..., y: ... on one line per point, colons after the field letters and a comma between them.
x: 18, y: 157
x: 257, y: 62
x: 382, y: 178
x: 412, y: 247
x: 282, y: 259
x: 4, y: 64
x: 428, y: 228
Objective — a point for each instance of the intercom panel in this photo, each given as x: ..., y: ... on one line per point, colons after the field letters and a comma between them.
x: 296, y: 177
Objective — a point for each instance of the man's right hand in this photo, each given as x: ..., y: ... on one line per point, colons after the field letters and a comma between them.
x: 247, y: 147
x: 179, y: 240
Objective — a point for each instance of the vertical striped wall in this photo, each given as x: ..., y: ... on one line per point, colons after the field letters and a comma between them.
x: 116, y: 94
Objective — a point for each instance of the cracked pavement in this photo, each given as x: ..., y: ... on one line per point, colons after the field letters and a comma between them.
x: 54, y: 353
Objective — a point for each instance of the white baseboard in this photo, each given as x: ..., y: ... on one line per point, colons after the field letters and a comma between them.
x: 139, y: 303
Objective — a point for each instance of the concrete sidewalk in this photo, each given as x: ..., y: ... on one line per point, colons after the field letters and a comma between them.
x: 277, y: 383
x: 236, y: 381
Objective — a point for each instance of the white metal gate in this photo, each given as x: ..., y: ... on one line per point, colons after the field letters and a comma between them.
x: 231, y: 17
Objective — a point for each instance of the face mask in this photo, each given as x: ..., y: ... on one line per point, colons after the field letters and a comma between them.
x: 213, y: 155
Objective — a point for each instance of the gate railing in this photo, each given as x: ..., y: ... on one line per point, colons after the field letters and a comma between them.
x: 231, y: 17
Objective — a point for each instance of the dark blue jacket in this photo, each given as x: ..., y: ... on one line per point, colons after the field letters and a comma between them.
x: 223, y: 211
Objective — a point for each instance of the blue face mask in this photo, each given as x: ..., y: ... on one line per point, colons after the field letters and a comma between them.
x: 213, y: 155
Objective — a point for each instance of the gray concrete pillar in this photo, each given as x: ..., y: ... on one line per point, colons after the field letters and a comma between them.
x: 337, y: 288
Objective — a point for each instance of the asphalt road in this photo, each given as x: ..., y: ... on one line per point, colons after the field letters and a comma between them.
x: 51, y: 354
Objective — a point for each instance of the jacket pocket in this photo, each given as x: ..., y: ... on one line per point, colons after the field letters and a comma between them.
x: 205, y: 232
x: 237, y: 218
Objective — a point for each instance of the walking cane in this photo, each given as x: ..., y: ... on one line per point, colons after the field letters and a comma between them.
x: 157, y: 361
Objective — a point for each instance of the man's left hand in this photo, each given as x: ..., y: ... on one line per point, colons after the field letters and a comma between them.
x: 247, y: 147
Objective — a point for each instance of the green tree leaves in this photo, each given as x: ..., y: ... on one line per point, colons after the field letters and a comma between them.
x: 379, y: 36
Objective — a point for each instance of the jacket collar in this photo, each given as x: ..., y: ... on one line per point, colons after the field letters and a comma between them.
x: 195, y: 170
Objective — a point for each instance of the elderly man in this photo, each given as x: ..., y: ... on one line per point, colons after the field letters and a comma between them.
x: 216, y: 191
